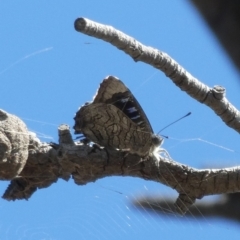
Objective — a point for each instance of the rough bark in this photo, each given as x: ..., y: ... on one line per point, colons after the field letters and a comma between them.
x: 14, y: 142
x: 48, y: 162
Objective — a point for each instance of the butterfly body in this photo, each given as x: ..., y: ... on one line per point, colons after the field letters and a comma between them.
x: 115, y: 120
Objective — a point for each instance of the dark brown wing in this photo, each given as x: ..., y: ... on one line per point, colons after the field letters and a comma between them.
x: 115, y: 120
x: 109, y: 86
x: 113, y: 91
x: 109, y: 127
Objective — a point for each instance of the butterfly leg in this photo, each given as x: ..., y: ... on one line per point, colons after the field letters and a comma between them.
x: 107, y: 158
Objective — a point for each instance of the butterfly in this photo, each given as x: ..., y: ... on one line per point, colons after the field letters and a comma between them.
x: 115, y: 120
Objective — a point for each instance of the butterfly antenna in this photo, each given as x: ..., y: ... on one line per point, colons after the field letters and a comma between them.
x: 175, y: 122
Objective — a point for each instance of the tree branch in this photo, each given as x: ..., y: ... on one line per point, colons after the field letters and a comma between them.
x: 48, y: 162
x: 44, y: 163
x: 212, y: 97
x: 14, y: 142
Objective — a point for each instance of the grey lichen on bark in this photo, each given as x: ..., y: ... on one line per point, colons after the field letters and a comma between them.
x: 14, y: 142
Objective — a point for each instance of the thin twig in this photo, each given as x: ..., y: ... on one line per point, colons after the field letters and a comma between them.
x: 212, y: 97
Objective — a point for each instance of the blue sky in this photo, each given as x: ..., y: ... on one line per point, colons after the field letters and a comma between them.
x: 47, y: 71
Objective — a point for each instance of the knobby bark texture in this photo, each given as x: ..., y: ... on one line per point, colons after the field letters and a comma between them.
x: 46, y: 163
x: 212, y: 97
x: 14, y: 142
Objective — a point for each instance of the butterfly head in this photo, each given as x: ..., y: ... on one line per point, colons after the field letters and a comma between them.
x: 157, y: 140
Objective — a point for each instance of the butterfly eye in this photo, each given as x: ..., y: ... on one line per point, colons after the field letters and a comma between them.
x: 156, y: 140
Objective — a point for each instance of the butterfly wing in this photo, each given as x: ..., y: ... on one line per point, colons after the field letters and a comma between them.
x: 116, y: 120
x: 107, y: 126
x: 113, y: 91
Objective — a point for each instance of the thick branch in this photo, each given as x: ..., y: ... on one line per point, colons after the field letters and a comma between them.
x: 48, y: 162
x: 212, y: 97
x: 14, y: 142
